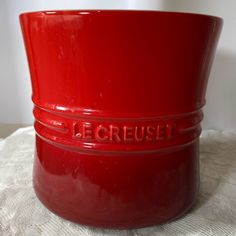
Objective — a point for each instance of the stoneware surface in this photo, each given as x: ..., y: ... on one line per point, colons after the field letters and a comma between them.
x: 118, y: 98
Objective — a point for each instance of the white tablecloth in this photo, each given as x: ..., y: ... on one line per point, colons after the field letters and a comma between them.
x: 21, y: 213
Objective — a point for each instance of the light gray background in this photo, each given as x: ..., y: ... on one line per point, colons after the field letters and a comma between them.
x: 15, y: 90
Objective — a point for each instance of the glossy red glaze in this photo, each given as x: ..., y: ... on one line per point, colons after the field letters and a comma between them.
x: 118, y: 98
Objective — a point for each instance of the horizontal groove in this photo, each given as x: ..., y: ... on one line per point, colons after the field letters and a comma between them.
x: 185, y: 130
x: 118, y: 152
x: 79, y: 113
x: 56, y: 128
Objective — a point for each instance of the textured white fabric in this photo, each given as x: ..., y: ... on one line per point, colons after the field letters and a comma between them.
x: 21, y: 213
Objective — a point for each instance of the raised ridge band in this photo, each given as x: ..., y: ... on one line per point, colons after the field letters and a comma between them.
x: 80, y: 132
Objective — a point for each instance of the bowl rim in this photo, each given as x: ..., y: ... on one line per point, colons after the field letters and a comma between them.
x: 115, y: 11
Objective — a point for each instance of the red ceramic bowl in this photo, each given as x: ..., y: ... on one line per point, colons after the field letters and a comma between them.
x: 118, y: 98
